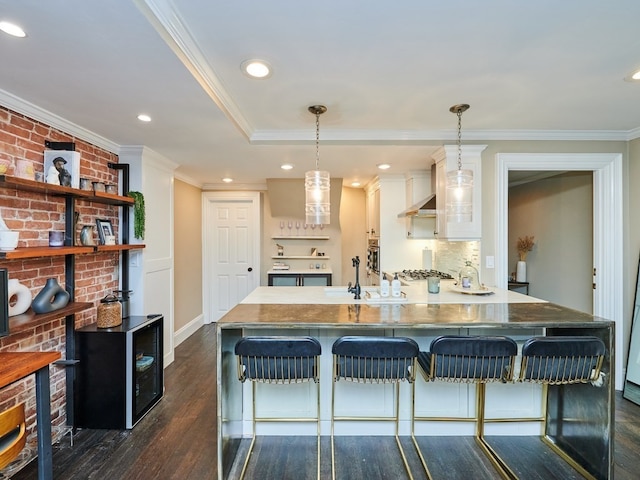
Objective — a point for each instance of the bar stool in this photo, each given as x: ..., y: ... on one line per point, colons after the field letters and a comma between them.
x: 373, y: 360
x: 561, y: 360
x: 278, y: 360
x: 13, y: 434
x: 466, y: 359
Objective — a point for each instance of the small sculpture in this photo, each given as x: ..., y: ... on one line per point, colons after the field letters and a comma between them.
x: 52, y: 297
x: 21, y: 296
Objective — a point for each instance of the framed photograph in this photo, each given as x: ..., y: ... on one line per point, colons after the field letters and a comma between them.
x: 105, y: 231
x: 63, y: 164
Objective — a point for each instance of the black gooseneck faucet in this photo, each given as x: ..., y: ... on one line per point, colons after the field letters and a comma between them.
x: 356, y: 288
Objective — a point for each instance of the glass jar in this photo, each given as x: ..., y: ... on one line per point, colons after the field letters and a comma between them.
x: 109, y: 312
x: 469, y: 277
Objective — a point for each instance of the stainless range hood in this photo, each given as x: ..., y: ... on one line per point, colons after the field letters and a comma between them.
x: 424, y: 208
x: 421, y: 186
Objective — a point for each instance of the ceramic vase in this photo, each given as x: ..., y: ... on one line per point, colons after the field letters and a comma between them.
x: 21, y: 294
x: 521, y: 271
x: 86, y: 235
x: 52, y: 297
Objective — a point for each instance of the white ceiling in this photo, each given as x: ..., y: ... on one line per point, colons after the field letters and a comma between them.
x: 388, y: 71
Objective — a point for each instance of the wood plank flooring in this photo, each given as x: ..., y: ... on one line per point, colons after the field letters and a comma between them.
x: 177, y: 440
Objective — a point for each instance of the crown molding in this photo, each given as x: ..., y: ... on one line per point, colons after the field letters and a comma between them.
x: 30, y: 110
x: 253, y: 187
x: 417, y: 137
x: 167, y: 21
x: 147, y: 155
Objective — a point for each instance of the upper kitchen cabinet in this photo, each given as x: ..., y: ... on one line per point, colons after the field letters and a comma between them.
x: 446, y: 159
x: 373, y: 209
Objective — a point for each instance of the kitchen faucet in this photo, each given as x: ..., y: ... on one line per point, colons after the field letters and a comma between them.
x: 356, y: 288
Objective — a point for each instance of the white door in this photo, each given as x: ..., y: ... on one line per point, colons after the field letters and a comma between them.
x: 231, y: 245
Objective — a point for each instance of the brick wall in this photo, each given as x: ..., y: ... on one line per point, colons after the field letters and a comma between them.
x: 34, y: 215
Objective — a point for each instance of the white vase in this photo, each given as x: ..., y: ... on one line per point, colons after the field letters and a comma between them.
x: 521, y: 271
x: 22, y: 297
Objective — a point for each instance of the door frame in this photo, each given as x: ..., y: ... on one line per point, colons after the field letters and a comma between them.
x: 208, y: 199
x: 608, y: 237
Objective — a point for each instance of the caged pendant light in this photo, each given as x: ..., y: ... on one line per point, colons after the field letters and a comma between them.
x: 317, y: 183
x: 459, y: 182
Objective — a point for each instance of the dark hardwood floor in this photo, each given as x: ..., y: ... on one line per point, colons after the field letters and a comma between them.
x: 177, y: 440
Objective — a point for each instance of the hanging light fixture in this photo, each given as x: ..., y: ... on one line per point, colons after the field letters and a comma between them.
x: 459, y: 182
x: 317, y: 183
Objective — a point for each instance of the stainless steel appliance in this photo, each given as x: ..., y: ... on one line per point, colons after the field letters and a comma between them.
x: 373, y: 262
x: 373, y: 256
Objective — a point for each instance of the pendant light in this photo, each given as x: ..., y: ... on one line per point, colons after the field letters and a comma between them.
x: 317, y: 183
x: 459, y: 182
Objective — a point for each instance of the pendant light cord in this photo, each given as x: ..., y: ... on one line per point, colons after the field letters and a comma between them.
x: 317, y: 139
x: 459, y: 110
x: 459, y: 113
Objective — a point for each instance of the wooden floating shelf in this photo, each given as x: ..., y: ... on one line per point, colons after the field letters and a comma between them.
x: 26, y: 185
x: 35, y: 252
x: 117, y: 248
x: 29, y: 319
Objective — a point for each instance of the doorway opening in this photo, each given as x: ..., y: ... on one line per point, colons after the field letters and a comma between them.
x: 607, y: 226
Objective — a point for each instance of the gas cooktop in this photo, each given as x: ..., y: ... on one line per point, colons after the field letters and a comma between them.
x: 413, y: 275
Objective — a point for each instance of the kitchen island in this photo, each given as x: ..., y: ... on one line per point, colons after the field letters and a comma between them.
x: 581, y: 414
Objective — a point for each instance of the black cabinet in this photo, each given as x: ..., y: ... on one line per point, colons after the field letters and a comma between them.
x: 299, y: 279
x: 120, y: 372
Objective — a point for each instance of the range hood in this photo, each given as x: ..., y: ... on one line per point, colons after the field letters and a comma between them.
x: 424, y: 208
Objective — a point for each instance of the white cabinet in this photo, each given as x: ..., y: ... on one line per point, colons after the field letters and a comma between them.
x: 373, y: 210
x: 446, y: 159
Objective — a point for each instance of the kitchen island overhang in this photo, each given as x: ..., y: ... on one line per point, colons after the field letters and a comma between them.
x: 516, y: 317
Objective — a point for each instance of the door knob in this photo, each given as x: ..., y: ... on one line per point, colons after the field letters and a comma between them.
x: 250, y: 269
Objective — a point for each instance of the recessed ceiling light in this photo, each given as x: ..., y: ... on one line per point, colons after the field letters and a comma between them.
x: 227, y: 180
x: 355, y: 184
x: 144, y: 118
x: 12, y: 29
x: 286, y: 166
x: 256, y: 68
x: 634, y: 76
x: 384, y: 166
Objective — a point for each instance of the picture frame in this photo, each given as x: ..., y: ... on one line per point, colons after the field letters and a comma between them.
x: 105, y: 228
x: 72, y: 165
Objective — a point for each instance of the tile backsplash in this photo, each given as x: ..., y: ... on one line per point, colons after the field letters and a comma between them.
x: 450, y: 257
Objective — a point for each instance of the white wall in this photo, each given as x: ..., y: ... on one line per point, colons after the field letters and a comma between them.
x: 151, y: 269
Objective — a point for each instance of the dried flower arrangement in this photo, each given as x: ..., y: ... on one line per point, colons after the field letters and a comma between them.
x: 525, y: 245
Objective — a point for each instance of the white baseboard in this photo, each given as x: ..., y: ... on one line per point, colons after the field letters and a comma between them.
x: 188, y: 330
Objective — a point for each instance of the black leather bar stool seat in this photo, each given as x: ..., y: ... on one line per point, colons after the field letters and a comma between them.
x: 466, y: 359
x: 368, y: 359
x: 559, y: 361
x: 278, y: 360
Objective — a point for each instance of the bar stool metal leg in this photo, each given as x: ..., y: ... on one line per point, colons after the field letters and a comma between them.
x: 561, y: 360
x: 468, y: 359
x: 380, y: 360
x: 278, y: 360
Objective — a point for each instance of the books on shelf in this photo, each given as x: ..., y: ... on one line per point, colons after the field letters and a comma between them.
x: 280, y: 266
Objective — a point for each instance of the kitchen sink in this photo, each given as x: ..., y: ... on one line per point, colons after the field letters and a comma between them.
x: 342, y: 291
